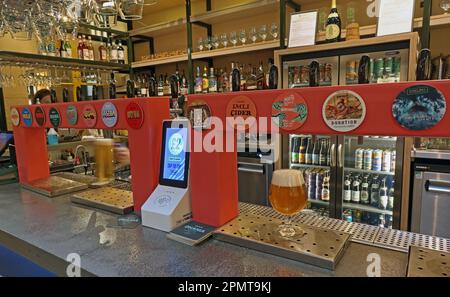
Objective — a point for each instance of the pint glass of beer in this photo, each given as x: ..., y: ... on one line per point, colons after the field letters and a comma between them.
x: 104, y: 163
x: 288, y: 197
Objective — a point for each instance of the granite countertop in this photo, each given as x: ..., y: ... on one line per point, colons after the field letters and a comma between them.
x: 49, y: 229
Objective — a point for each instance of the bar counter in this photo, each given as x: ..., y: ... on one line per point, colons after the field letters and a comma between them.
x: 46, y: 230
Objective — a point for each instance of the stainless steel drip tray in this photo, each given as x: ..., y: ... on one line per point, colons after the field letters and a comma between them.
x: 319, y: 247
x: 55, y: 186
x: 428, y: 263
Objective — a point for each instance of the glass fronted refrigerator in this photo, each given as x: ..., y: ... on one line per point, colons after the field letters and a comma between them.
x: 315, y: 157
x: 370, y: 180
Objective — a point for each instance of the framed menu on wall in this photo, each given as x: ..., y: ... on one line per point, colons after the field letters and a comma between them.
x: 395, y: 17
x: 303, y: 28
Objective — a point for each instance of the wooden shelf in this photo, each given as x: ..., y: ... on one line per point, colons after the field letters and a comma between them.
x: 160, y: 61
x: 231, y: 50
x: 160, y: 29
x: 237, y: 12
x: 371, y: 30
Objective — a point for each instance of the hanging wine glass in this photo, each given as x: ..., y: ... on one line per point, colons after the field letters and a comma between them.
x: 445, y: 5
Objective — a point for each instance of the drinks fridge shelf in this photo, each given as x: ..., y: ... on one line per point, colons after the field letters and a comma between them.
x: 368, y: 171
x: 367, y: 208
x: 293, y: 165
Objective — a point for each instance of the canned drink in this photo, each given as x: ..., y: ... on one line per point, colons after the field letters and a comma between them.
x: 379, y: 68
x: 351, y: 70
x: 372, y: 71
x: 393, y: 158
x: 304, y: 76
x: 377, y: 160
x: 368, y: 155
x: 388, y: 66
x: 297, y: 75
x: 328, y: 72
x: 387, y: 156
x: 359, y: 157
x: 312, y: 184
x: 322, y: 72
x: 319, y: 184
x: 396, y: 66
x: 348, y: 216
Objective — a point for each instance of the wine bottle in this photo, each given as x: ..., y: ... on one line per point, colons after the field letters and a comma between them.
x: 333, y: 29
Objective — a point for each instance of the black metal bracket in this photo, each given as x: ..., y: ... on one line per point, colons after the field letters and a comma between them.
x: 208, y: 5
x: 208, y: 27
x: 292, y: 4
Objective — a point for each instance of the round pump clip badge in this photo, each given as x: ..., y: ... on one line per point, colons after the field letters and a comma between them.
x: 89, y: 116
x: 109, y: 114
x: 344, y: 111
x: 72, y: 115
x: 419, y: 107
x: 134, y: 115
x: 55, y: 117
x: 15, y: 117
x: 27, y: 117
x: 289, y: 111
x: 39, y: 116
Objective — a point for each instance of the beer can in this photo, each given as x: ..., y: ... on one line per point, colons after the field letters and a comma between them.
x: 328, y: 72
x: 396, y: 66
x: 312, y: 184
x: 393, y: 158
x: 348, y: 216
x: 368, y: 154
x: 388, y: 66
x: 379, y: 68
x: 387, y: 156
x: 359, y: 157
x: 377, y: 160
x: 372, y: 71
x: 322, y: 72
x: 304, y: 75
x: 351, y: 70
x: 319, y: 184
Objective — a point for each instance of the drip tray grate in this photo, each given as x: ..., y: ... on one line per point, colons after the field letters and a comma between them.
x: 54, y: 186
x: 319, y: 247
x: 425, y: 262
x: 106, y: 198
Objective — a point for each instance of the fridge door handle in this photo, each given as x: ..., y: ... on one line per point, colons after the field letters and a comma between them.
x: 340, y: 165
x: 333, y: 155
x: 437, y: 186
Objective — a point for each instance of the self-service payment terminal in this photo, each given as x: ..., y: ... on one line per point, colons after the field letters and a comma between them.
x: 169, y: 205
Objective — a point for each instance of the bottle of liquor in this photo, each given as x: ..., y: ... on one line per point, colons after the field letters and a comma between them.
x: 226, y: 86
x: 252, y: 80
x: 102, y: 51
x: 114, y: 53
x: 235, y: 78
x: 161, y: 85
x: 144, y: 85
x: 309, y: 152
x: 356, y: 191
x: 220, y: 81
x: 80, y: 48
x: 261, y: 77
x: 333, y: 28
x: 131, y: 88
x: 112, y: 87
x: 120, y: 53
x: 391, y: 195
x: 243, y: 78
x: 166, y: 87
x: 326, y: 187
x: 352, y: 28
x: 383, y: 195
x: 295, y: 148
x: 183, y: 85
x: 68, y: 49
x: 273, y: 75
x: 138, y: 86
x: 365, y: 199
x: 375, y: 191
x: 198, y: 82
x: 91, y: 49
x: 205, y: 80
x: 62, y: 49
x: 108, y: 52
x: 152, y: 86
x: 347, y: 189
x: 323, y: 153
x: 316, y: 153
x: 86, y: 54
x: 212, y: 81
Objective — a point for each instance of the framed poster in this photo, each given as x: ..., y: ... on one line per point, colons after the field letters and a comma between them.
x: 395, y: 17
x: 303, y: 28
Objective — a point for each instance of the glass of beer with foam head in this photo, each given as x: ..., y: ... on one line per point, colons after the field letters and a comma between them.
x: 288, y: 197
x: 104, y: 160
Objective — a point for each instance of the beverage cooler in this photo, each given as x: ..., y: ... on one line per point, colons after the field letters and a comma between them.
x: 359, y: 178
